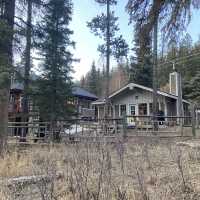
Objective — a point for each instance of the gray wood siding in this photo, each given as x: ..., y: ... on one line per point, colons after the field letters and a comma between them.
x: 130, y: 97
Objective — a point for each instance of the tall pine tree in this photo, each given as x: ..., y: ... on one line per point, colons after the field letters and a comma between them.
x: 100, y: 24
x: 93, y: 80
x: 32, y: 6
x: 141, y: 70
x: 55, y: 44
x: 105, y: 26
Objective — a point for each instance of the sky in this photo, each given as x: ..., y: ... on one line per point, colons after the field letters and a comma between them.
x: 87, y: 43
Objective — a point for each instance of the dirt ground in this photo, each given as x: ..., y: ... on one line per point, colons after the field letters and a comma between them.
x: 140, y: 169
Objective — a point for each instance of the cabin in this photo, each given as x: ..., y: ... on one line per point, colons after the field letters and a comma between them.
x: 83, y: 102
x: 16, y: 100
x: 137, y: 100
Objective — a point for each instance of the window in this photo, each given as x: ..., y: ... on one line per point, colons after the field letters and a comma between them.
x: 132, y: 109
x: 122, y: 110
x: 143, y: 109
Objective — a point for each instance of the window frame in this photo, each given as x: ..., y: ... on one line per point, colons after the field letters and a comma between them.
x: 146, y: 113
x: 120, y: 111
x: 132, y: 105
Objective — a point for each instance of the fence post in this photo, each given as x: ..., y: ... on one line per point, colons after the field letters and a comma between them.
x: 193, y: 121
x: 82, y: 128
x: 197, y: 120
x: 115, y: 126
x: 124, y: 125
x: 181, y: 124
x: 76, y: 128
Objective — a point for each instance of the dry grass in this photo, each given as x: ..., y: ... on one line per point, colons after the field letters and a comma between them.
x: 140, y: 169
x: 14, y: 164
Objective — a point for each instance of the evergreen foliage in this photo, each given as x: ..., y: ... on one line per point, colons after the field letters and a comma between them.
x: 98, y: 26
x: 178, y: 54
x: 173, y: 17
x: 54, y: 86
x: 188, y: 67
x: 93, y: 79
x: 185, y: 57
x: 192, y: 88
x: 141, y: 65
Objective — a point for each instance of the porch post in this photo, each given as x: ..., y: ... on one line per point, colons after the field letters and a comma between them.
x: 148, y: 109
x: 98, y: 115
x: 136, y: 109
x: 165, y: 112
x: 159, y: 106
x: 114, y: 114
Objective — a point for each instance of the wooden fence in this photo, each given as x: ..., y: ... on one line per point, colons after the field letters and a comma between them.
x: 126, y: 126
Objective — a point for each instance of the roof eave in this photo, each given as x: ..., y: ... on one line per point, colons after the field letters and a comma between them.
x: 147, y: 89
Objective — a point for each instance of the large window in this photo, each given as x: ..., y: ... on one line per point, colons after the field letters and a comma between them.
x: 122, y: 110
x: 142, y: 109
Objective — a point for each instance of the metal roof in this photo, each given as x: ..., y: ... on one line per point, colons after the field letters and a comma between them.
x: 80, y: 92
x: 76, y: 91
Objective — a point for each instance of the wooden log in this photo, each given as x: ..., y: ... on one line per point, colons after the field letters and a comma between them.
x: 29, y: 180
x: 191, y: 144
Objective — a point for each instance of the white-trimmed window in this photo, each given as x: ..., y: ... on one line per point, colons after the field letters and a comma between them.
x: 132, y: 109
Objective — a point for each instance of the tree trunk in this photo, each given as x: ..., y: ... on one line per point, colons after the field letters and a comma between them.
x: 4, y: 97
x: 27, y: 57
x: 155, y: 81
x: 7, y: 17
x: 107, y: 60
x: 27, y: 68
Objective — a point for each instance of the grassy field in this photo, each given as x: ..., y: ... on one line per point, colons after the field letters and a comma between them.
x: 141, y: 169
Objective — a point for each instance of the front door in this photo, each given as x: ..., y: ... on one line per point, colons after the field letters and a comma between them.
x: 132, y: 112
x: 132, y: 109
